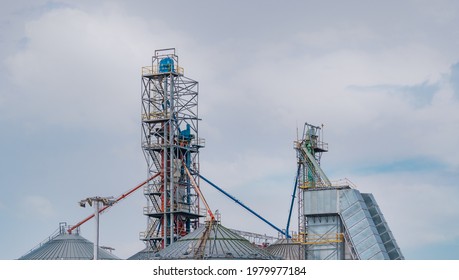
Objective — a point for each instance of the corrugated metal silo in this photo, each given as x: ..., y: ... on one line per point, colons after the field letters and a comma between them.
x: 286, y: 249
x: 210, y: 241
x: 65, y: 246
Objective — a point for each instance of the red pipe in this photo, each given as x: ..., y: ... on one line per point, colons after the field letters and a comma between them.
x: 107, y: 206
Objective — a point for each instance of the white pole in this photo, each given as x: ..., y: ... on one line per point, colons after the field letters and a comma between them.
x: 96, y: 215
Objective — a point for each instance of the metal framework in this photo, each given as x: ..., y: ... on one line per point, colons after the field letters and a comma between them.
x: 335, y: 221
x: 309, y: 151
x: 326, y: 235
x: 170, y: 142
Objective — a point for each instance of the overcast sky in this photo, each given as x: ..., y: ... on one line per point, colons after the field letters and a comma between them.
x: 382, y: 76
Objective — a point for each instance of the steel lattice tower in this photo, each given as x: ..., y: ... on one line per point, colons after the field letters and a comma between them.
x: 310, y: 175
x: 169, y: 141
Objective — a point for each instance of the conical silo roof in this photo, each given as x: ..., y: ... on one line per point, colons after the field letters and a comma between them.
x: 285, y: 249
x: 145, y: 254
x: 213, y: 241
x: 65, y: 246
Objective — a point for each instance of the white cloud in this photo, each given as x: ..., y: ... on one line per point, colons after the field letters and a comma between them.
x: 418, y: 212
x: 330, y: 38
x: 37, y: 206
x: 81, y: 68
x: 274, y: 92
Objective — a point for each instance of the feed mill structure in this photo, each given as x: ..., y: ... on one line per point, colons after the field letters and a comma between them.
x: 170, y: 143
x: 335, y: 221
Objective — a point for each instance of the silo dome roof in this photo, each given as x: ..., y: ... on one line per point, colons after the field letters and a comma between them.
x: 213, y: 241
x: 65, y: 246
x: 145, y: 254
x: 286, y: 249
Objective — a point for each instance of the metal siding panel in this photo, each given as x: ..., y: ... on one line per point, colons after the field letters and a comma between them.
x: 320, y: 202
x: 363, y: 235
x: 379, y: 256
x: 354, y: 219
x: 344, y: 200
x: 358, y: 228
x: 348, y: 197
x: 368, y: 243
x: 350, y: 211
x: 373, y: 251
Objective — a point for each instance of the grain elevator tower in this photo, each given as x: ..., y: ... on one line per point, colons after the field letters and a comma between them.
x: 336, y: 221
x: 170, y: 141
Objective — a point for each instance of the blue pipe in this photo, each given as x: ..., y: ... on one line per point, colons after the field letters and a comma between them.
x: 293, y: 199
x: 247, y: 208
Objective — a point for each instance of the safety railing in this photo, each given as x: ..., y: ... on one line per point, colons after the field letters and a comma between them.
x: 62, y: 230
x: 150, y: 189
x: 149, y: 145
x: 322, y: 145
x: 307, y: 185
x: 154, y: 70
x: 143, y: 235
x: 199, y: 142
x: 155, y: 116
x: 148, y: 210
x: 317, y: 144
x: 315, y: 239
x: 345, y: 182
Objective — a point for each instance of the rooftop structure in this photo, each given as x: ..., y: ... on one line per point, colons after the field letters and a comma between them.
x: 64, y: 246
x: 213, y: 241
x: 286, y: 248
x: 336, y: 221
x: 170, y: 141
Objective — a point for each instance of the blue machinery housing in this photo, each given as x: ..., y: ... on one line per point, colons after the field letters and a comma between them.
x: 166, y: 65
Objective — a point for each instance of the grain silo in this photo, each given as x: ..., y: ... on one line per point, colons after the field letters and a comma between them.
x: 62, y: 245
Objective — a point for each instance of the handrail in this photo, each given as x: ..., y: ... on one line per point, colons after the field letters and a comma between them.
x: 149, y: 210
x: 355, y: 255
x: 150, y: 70
x: 53, y: 235
x: 155, y: 116
x: 311, y: 239
x: 344, y: 182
